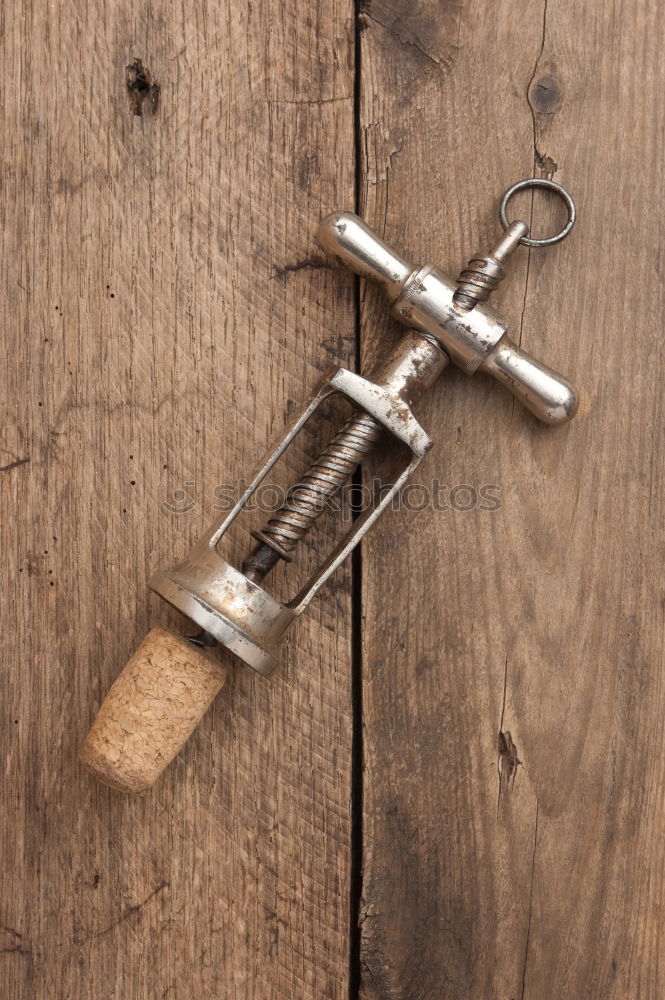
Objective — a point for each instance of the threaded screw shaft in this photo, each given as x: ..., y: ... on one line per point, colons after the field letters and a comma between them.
x: 307, y: 500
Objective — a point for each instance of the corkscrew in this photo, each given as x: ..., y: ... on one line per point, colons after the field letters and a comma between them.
x: 169, y: 682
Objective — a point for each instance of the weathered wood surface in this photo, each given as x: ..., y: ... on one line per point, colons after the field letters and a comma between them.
x: 164, y: 308
x: 157, y: 330
x: 544, y: 619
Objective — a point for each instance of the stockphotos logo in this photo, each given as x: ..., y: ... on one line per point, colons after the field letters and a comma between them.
x: 346, y: 502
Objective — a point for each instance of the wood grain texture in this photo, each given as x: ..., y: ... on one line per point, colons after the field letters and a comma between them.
x: 165, y: 307
x: 158, y: 327
x: 513, y: 690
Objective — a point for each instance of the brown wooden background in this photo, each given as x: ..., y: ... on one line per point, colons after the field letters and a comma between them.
x: 359, y: 824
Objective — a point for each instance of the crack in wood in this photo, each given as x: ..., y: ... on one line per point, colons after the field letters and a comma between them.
x: 15, y: 464
x: 129, y: 912
x: 534, y: 126
x: 528, y: 926
x: 309, y: 263
x: 508, y: 760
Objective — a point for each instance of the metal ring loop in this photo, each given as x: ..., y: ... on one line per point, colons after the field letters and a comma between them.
x: 541, y: 182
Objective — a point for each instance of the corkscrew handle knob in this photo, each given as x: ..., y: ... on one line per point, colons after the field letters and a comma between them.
x: 351, y: 241
x: 544, y: 392
x: 475, y: 339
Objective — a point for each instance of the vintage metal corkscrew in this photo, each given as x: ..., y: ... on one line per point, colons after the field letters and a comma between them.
x: 168, y: 684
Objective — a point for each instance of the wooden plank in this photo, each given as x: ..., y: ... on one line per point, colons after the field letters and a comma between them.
x: 536, y: 871
x: 161, y: 319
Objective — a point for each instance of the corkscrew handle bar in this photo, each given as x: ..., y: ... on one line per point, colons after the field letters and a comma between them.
x: 474, y: 338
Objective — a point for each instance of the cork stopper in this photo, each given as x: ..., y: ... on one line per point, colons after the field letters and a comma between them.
x: 151, y: 710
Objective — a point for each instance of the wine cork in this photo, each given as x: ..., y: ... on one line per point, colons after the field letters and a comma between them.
x: 150, y: 711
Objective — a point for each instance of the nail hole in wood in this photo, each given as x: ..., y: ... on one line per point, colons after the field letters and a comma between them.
x: 142, y: 89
